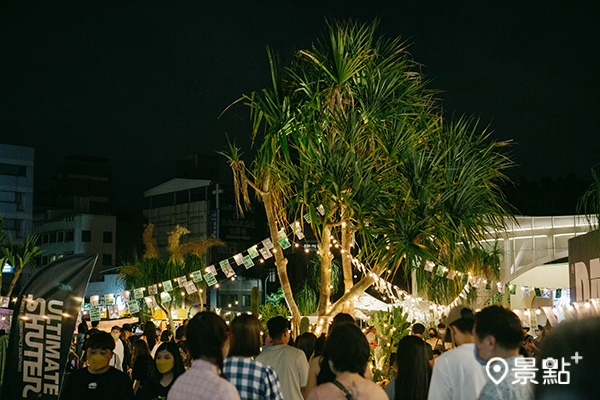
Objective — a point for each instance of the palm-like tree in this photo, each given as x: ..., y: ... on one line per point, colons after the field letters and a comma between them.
x: 350, y: 127
x: 182, y: 260
x: 18, y: 255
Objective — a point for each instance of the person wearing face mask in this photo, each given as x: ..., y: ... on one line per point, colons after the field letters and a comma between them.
x: 99, y: 381
x: 119, y: 352
x: 456, y: 374
x: 498, y: 337
x: 208, y: 337
x: 168, y: 366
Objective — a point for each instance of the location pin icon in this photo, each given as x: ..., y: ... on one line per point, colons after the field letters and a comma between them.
x: 497, y: 369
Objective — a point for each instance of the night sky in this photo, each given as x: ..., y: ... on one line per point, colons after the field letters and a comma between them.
x: 144, y: 83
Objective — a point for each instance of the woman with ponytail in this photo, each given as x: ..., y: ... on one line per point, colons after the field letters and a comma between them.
x: 208, y: 339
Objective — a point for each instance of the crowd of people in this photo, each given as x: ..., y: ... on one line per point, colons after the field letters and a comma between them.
x: 207, y: 358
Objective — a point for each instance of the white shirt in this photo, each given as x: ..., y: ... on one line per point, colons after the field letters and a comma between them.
x: 202, y: 382
x: 457, y: 375
x: 291, y: 367
x: 118, y: 355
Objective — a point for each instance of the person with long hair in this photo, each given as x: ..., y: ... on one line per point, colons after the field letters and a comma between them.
x: 142, y: 362
x: 414, y: 370
x: 149, y: 334
x: 347, y: 352
x: 306, y: 343
x: 167, y: 367
x: 208, y: 337
x: 253, y: 379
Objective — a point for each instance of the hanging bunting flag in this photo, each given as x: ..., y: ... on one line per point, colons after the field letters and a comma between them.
x: 227, y: 270
x: 95, y: 314
x: 512, y: 289
x: 429, y: 266
x: 464, y: 279
x: 451, y: 275
x: 109, y: 299
x: 181, y: 281
x: 266, y: 254
x: 210, y: 279
x: 253, y: 252
x: 488, y: 285
x: 238, y: 258
x: 525, y: 291
x: 284, y: 243
x: 439, y: 271
x: 537, y: 291
x: 167, y: 286
x: 307, y: 218
x: 197, y: 276
x: 321, y: 209
x: 125, y: 296
x: 150, y: 302
x: 500, y: 287
x: 248, y: 262
x: 153, y: 289
x: 190, y: 288
x: 281, y: 234
x: 138, y: 293
x: 94, y: 300
x: 212, y: 270
x: 268, y: 243
x: 558, y: 294
x: 113, y: 312
x: 134, y: 306
x: 297, y: 229
x: 546, y: 293
x: 165, y: 297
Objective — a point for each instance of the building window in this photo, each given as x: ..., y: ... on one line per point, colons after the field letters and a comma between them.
x: 246, y: 300
x: 106, y: 259
x: 86, y: 236
x: 13, y: 170
x: 106, y: 237
x: 19, y: 201
x: 227, y: 300
x: 45, y: 238
x: 52, y: 237
x: 44, y: 260
x: 69, y: 235
x: 60, y: 235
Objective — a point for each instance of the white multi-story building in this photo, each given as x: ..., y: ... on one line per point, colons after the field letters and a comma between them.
x: 63, y: 233
x: 16, y: 189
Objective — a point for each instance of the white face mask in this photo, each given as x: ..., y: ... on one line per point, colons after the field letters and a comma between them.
x: 442, y: 332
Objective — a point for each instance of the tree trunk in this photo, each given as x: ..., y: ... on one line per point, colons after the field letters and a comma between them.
x: 14, y: 281
x: 347, y: 266
x: 280, y: 261
x: 326, y: 256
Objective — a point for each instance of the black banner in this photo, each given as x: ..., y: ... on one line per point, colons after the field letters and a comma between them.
x: 43, y: 324
x: 584, y: 266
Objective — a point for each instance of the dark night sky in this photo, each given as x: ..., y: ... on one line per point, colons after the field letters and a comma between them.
x: 144, y: 82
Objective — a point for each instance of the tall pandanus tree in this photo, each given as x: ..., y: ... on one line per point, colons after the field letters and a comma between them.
x: 182, y: 259
x: 19, y: 254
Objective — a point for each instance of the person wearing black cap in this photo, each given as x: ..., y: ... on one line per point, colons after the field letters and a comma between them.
x: 457, y: 375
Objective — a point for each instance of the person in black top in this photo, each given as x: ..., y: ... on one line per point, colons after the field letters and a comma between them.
x: 99, y: 380
x: 168, y: 366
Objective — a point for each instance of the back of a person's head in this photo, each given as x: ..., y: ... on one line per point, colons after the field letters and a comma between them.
x: 165, y: 336
x: 277, y: 326
x: 341, y: 319
x: 466, y: 321
x: 412, y: 381
x: 306, y: 343
x: 245, y: 332
x: 418, y: 329
x: 347, y: 348
x: 206, y: 334
x: 82, y: 327
x: 100, y: 340
x: 319, y: 345
x: 501, y: 323
x: 578, y: 343
x: 140, y: 348
x: 180, y: 333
